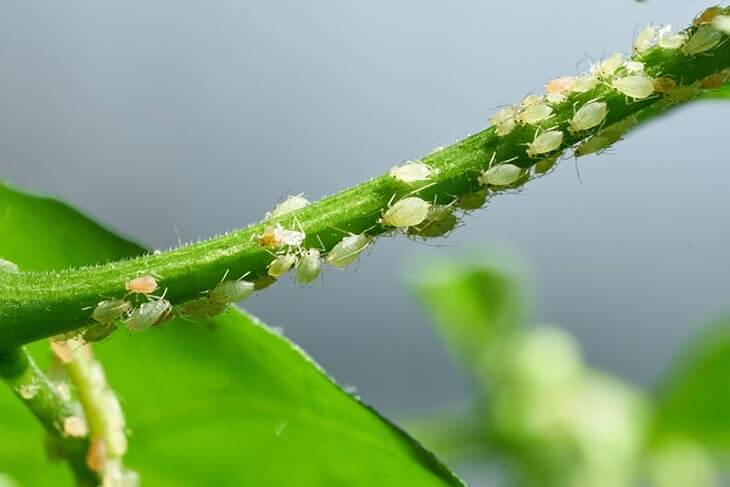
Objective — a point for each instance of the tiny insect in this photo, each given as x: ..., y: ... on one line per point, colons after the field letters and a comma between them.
x: 146, y: 284
x: 308, y: 266
x: 589, y: 116
x: 277, y: 236
x: 715, y: 80
x: 504, y: 121
x: 75, y: 426
x: 546, y: 164
x: 108, y: 311
x: 148, y: 314
x: 606, y: 68
x: 634, y: 66
x: 605, y: 138
x: 96, y: 455
x: 671, y: 40
x: 704, y: 39
x: 664, y: 85
x: 707, y: 16
x: 472, y: 201
x: 411, y: 172
x: 646, y: 39
x: 407, y: 212
x: 683, y: 93
x: 290, y: 204
x: 558, y: 86
x: 231, y: 291
x: 347, y: 250
x: 722, y: 23
x: 439, y: 221
x: 99, y: 331
x: 535, y: 112
x: 28, y: 391
x: 281, y: 265
x: 585, y: 83
x: 502, y: 175
x: 545, y: 143
x: 202, y: 308
x: 7, y: 266
x: 634, y: 86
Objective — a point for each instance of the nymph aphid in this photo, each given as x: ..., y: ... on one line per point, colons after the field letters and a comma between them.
x: 277, y: 236
x: 439, y: 221
x: 634, y: 66
x: 584, y: 83
x: 606, y: 68
x: 605, y: 138
x: 7, y: 266
x: 290, y: 204
x: 683, y: 93
x: 707, y: 16
x: 231, y: 291
x: 202, y: 308
x: 635, y: 86
x: 148, y: 314
x: 411, y: 172
x: 722, y: 23
x: 504, y: 121
x: 671, y: 40
x: 546, y: 164
x: 108, y: 311
x: 705, y: 38
x: 308, y: 266
x: 28, y: 391
x: 535, y: 111
x: 407, y: 212
x: 589, y: 116
x: 646, y: 39
x: 545, y: 143
x: 146, y: 285
x: 281, y: 265
x: 715, y: 80
x: 347, y: 250
x: 75, y: 426
x: 664, y: 85
x: 99, y: 331
x: 502, y: 175
x: 472, y: 201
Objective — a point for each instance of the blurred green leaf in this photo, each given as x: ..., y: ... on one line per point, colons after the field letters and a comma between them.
x: 232, y: 403
x: 694, y: 397
x: 721, y: 93
x: 474, y: 300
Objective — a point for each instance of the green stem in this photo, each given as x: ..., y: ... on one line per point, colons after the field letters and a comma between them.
x: 36, y: 305
x: 41, y: 397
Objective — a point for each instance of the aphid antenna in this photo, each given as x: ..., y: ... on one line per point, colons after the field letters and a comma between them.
x: 225, y: 274
x: 491, y: 161
x: 244, y: 275
x: 417, y: 190
x: 322, y: 247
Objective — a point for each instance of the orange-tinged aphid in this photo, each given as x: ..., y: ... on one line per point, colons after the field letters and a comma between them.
x: 96, y: 455
x: 707, y: 15
x: 664, y: 85
x: 141, y: 285
x: 559, y: 85
x: 715, y: 80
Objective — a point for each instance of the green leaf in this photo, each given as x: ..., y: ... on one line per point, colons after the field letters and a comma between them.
x: 231, y: 403
x: 474, y: 300
x: 694, y: 398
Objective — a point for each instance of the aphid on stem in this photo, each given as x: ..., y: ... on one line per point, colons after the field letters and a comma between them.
x: 148, y: 314
x: 590, y: 115
x: 308, y: 266
x: 707, y: 16
x: 348, y: 250
x: 545, y: 143
x: 7, y: 266
x: 145, y: 285
x: 231, y: 291
x: 277, y: 236
x: 412, y: 172
x: 635, y: 86
x: 110, y: 310
x: 502, y: 175
x: 439, y: 221
x: 406, y: 212
x: 281, y: 265
x: 290, y: 204
x: 705, y: 38
x: 504, y: 121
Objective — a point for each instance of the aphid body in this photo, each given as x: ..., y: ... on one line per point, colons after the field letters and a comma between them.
x: 588, y: 116
x: 407, y: 212
x: 501, y: 175
x: 705, y: 38
x: 535, y: 112
x: 98, y: 332
x: 504, y: 121
x: 277, y: 236
x: 440, y: 221
x: 707, y: 16
x: 308, y: 266
x: 202, y: 308
x: 7, y: 266
x: 110, y: 310
x: 634, y: 66
x: 671, y: 40
x: 347, y: 250
x: 411, y: 172
x: 290, y: 204
x: 281, y: 265
x: 545, y: 143
x: 664, y: 84
x: 148, y: 314
x: 585, y: 83
x: 546, y: 164
x: 231, y: 291
x: 605, y: 138
x: 722, y: 23
x: 142, y: 285
x: 606, y: 68
x: 635, y: 86
x: 646, y: 39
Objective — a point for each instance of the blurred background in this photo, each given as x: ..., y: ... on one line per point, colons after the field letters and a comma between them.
x: 175, y: 120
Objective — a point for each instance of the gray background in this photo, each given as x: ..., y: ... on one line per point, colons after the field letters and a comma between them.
x: 195, y: 116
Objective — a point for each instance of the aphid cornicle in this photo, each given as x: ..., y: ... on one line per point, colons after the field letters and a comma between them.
x: 148, y: 314
x: 347, y: 250
x: 407, y: 212
x: 231, y: 291
x: 634, y: 86
x: 411, y: 172
x: 291, y: 203
x: 110, y: 310
x: 146, y: 284
x: 589, y: 116
x: 281, y: 265
x: 545, y: 143
x: 705, y: 38
x: 7, y: 266
x: 502, y: 175
x: 308, y: 266
x: 440, y: 221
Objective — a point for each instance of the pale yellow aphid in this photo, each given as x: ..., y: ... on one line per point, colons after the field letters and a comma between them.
x: 646, y: 39
x: 347, y: 250
x: 75, y: 426
x: 504, y: 121
x: 671, y: 40
x: 281, y: 265
x: 96, y: 455
x: 634, y: 86
x: 107, y: 311
x: 407, y: 212
x: 715, y: 80
x: 707, y: 16
x: 277, y: 236
x: 502, y: 175
x: 559, y: 86
x: 584, y: 83
x: 148, y: 314
x: 28, y: 391
x: 589, y: 116
x: 606, y: 68
x: 231, y: 291
x: 535, y: 112
x: 146, y: 284
x: 704, y: 39
x: 634, y: 66
x: 308, y: 266
x: 290, y: 204
x: 722, y: 23
x: 411, y: 172
x: 545, y: 143
x: 7, y: 266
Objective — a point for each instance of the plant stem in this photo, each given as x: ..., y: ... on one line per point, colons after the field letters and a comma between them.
x: 36, y: 305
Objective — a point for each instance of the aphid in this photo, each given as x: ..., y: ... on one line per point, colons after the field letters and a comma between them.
x: 347, y: 250
x: 146, y: 284
x: 75, y: 426
x: 704, y: 39
x: 607, y: 67
x: 715, y: 80
x: 281, y: 265
x: 646, y: 39
x: 546, y: 164
x: 407, y: 212
x: 148, y: 314
x: 545, y: 143
x: 202, y: 308
x: 664, y: 85
x: 308, y: 266
x: 28, y: 391
x: 504, y: 121
x: 559, y: 86
x: 291, y: 203
x: 439, y: 221
x: 262, y: 282
x: 535, y: 112
x: 585, y: 83
x: 634, y: 66
x: 605, y: 138
x: 722, y: 23
x: 683, y: 93
x: 98, y: 332
x: 635, y: 86
x: 472, y: 201
x: 7, y: 266
x: 277, y: 236
x: 411, y: 172
x: 588, y: 116
x: 502, y: 175
x: 108, y: 311
x: 62, y: 351
x: 707, y: 16
x: 96, y: 455
x: 231, y: 291
x: 671, y: 40
x: 530, y: 100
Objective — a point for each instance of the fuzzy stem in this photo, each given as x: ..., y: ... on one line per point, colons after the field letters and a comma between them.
x: 36, y: 305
